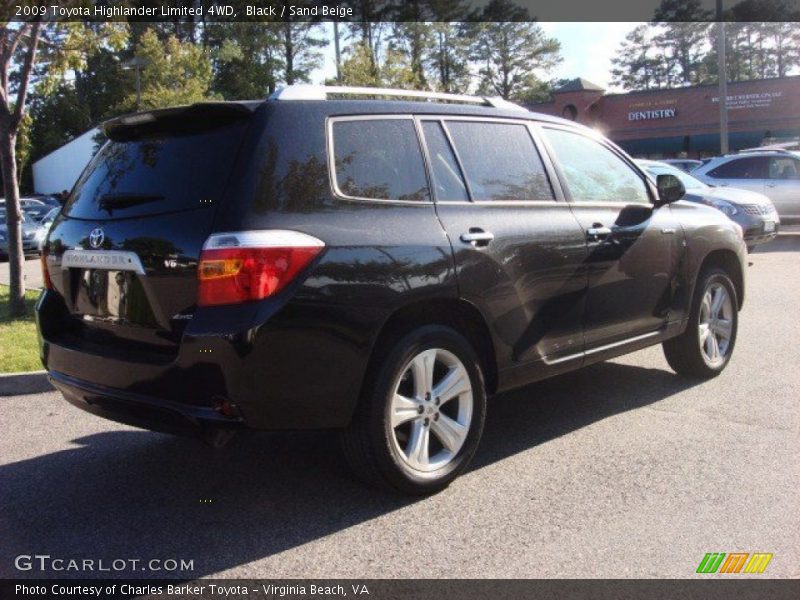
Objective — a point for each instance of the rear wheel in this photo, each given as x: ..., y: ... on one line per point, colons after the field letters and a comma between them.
x: 421, y: 416
x: 705, y: 348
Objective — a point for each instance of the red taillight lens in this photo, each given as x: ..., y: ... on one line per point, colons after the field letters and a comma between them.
x: 48, y: 284
x: 258, y: 265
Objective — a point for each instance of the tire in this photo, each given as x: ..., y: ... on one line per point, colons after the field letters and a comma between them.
x: 405, y: 438
x: 692, y: 354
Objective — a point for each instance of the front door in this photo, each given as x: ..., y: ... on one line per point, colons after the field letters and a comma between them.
x: 518, y: 249
x: 634, y: 248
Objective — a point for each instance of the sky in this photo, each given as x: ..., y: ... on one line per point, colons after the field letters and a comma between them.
x: 587, y: 49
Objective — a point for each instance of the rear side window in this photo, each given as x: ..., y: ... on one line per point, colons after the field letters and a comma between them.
x: 500, y: 161
x: 157, y: 174
x: 751, y: 167
x: 784, y: 168
x: 593, y: 172
x: 447, y: 178
x: 379, y: 159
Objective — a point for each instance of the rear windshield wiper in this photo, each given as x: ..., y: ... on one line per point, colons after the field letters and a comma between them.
x: 111, y: 201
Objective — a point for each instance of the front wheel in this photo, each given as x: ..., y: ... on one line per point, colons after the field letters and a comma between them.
x: 705, y: 348
x: 421, y: 415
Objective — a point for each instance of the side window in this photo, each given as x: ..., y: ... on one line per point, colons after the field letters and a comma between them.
x: 500, y: 161
x: 784, y: 167
x: 593, y: 172
x: 750, y: 167
x: 379, y: 159
x: 447, y: 178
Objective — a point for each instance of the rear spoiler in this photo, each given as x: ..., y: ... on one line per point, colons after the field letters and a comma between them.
x: 179, y: 119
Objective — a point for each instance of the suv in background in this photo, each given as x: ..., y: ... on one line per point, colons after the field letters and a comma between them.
x: 774, y: 173
x: 376, y: 266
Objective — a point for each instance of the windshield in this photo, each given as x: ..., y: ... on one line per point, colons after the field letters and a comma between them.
x: 689, y: 182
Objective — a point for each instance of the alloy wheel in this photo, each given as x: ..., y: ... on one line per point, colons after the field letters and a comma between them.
x: 430, y: 411
x: 715, y: 325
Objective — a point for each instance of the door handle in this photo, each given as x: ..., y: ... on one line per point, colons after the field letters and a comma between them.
x: 667, y: 230
x: 771, y: 185
x: 477, y: 237
x: 597, y: 231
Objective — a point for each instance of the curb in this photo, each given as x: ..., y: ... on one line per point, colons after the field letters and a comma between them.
x: 17, y: 384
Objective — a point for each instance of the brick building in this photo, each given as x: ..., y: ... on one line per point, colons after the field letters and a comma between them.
x: 684, y: 121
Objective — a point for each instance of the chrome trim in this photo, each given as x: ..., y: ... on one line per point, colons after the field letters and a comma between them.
x: 109, y: 260
x: 264, y: 238
x: 601, y: 348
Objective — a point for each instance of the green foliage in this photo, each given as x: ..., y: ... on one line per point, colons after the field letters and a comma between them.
x: 510, y: 50
x: 359, y: 69
x: 176, y: 73
x: 19, y: 349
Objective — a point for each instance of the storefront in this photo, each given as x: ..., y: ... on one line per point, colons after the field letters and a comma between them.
x: 684, y: 121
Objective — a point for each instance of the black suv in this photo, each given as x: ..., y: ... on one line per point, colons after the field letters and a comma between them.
x: 379, y: 265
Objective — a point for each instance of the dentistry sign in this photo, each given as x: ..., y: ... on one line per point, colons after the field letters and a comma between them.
x: 652, y: 114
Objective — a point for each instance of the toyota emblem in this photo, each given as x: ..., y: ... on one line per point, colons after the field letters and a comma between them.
x: 96, y: 237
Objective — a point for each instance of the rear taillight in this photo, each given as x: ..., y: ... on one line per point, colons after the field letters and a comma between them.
x: 251, y: 265
x: 48, y: 284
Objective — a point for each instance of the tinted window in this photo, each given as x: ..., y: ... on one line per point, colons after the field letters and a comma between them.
x: 593, y: 172
x: 751, y: 167
x: 500, y: 161
x: 156, y: 174
x: 380, y: 159
x: 447, y: 178
x: 784, y: 168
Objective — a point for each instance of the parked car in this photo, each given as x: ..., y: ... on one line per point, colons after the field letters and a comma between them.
x: 29, y: 229
x: 684, y: 164
x: 774, y: 173
x: 376, y: 266
x: 754, y: 212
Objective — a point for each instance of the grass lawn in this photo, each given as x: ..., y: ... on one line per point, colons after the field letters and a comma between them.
x: 18, y: 348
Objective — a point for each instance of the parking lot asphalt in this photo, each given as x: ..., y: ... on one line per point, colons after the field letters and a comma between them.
x: 619, y: 470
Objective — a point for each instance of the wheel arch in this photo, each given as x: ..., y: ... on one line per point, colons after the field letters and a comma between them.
x: 728, y: 261
x: 456, y: 313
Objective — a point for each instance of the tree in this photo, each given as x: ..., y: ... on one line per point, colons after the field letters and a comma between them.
x: 682, y: 34
x: 57, y: 47
x: 301, y: 47
x: 358, y: 69
x: 635, y: 66
x: 511, y: 50
x: 246, y: 58
x: 176, y: 73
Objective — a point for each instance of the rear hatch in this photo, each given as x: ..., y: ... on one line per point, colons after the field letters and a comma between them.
x: 123, y: 256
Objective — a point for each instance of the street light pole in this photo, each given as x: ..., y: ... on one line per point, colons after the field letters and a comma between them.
x: 338, y: 55
x: 137, y: 63
x: 723, y: 82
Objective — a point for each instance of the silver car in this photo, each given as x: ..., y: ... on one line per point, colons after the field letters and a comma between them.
x: 30, y: 242
x: 774, y: 173
x: 753, y: 212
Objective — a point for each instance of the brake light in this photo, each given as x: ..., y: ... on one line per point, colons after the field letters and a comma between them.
x: 48, y: 284
x: 251, y: 265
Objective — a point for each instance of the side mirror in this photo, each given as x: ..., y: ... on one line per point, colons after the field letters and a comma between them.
x: 670, y: 188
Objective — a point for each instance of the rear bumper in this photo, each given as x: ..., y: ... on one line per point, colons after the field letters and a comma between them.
x: 140, y: 411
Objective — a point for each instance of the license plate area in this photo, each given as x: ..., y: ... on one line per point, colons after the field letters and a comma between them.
x: 110, y: 296
x: 769, y: 226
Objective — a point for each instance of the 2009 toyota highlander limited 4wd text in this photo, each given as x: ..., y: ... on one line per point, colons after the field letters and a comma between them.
x: 362, y: 260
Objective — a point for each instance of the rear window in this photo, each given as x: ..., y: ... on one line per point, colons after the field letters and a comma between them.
x: 156, y: 174
x: 500, y: 161
x: 379, y: 159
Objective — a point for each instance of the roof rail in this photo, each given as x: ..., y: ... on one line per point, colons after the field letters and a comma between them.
x: 321, y: 92
x: 767, y: 149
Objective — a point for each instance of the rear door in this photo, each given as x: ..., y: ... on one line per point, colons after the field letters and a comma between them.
x: 518, y: 249
x: 634, y: 249
x: 783, y: 185
x: 123, y: 255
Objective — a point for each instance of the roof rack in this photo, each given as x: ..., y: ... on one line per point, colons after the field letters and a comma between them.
x: 767, y: 149
x: 321, y: 92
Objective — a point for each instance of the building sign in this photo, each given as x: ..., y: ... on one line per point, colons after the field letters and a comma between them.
x: 648, y: 115
x: 756, y: 100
